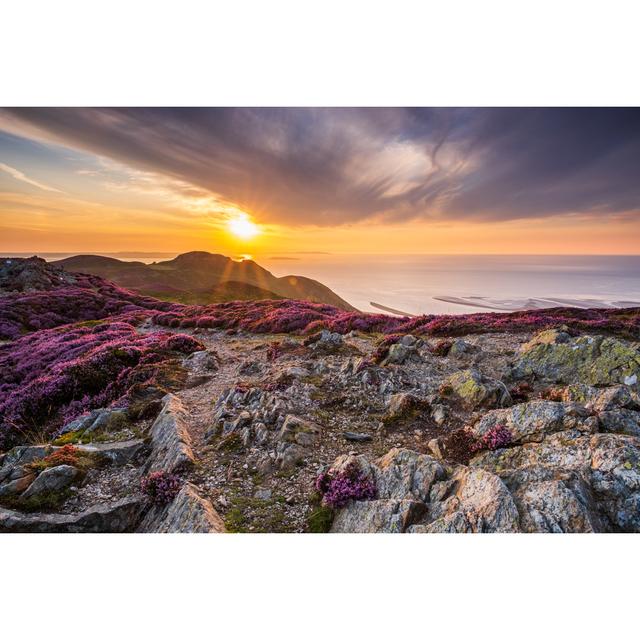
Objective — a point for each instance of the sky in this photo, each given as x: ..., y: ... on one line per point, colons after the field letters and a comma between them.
x: 344, y: 180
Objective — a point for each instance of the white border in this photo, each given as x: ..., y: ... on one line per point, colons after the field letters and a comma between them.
x: 138, y: 52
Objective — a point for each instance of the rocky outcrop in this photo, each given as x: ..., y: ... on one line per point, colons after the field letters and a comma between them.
x: 416, y: 493
x: 115, y: 517
x: 187, y: 513
x: 602, y: 471
x: 171, y: 448
x: 555, y: 356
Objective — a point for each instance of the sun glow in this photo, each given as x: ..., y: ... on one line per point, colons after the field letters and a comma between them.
x: 242, y: 227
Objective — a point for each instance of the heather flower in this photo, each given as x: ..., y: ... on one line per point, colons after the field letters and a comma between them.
x: 57, y: 374
x: 497, y: 437
x: 350, y: 483
x: 161, y: 487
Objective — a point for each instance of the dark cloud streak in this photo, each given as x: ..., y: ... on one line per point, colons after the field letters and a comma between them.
x: 333, y: 166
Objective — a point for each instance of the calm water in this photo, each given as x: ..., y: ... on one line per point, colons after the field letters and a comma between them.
x: 412, y: 283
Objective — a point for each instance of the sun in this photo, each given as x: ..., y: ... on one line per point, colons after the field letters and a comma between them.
x: 242, y: 227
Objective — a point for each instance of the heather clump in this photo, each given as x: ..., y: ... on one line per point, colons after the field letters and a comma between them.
x: 350, y: 483
x: 68, y: 299
x: 161, y: 487
x: 496, y: 438
x: 54, y: 375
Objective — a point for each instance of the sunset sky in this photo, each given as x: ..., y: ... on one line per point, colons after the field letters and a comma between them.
x: 267, y: 181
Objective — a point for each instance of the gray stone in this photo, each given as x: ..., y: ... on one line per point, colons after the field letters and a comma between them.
x: 552, y: 507
x: 474, y: 390
x: 531, y: 421
x: 113, y: 517
x: 621, y: 421
x: 357, y: 437
x: 288, y: 456
x: 15, y: 486
x: 593, y: 360
x: 117, y: 454
x: 299, y: 431
x: 52, y: 480
x: 400, y: 353
x: 378, y: 516
x: 171, y: 449
x: 187, y: 513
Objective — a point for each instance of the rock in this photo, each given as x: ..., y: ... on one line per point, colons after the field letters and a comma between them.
x: 117, y: 454
x: 80, y: 424
x: 403, y: 474
x: 288, y: 456
x: 612, y: 398
x: 409, y: 340
x: 356, y: 437
x: 592, y: 360
x: 299, y: 431
x: 439, y: 414
x: 607, y: 467
x: 243, y: 419
x: 326, y: 342
x: 378, y: 516
x: 187, y: 513
x: 97, y: 420
x: 114, y: 517
x: 170, y: 440
x: 402, y: 406
x: 251, y: 368
x: 461, y: 347
x: 621, y: 421
x: 532, y: 421
x: 12, y: 487
x: 109, y: 420
x: 474, y: 390
x: 417, y: 493
x: 263, y: 494
x: 203, y: 361
x: 22, y: 455
x: 52, y: 480
x: 400, y: 353
x: 552, y: 507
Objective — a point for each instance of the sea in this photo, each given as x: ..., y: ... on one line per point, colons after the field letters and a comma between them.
x: 455, y: 284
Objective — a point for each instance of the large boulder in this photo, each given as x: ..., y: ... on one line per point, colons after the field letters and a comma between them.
x: 593, y: 360
x: 470, y: 502
x: 532, y: 421
x: 602, y: 470
x: 474, y: 390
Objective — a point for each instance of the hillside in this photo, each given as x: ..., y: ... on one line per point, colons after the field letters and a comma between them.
x: 120, y: 412
x: 199, y: 277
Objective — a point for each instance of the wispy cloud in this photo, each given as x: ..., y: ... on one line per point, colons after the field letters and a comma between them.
x: 18, y: 175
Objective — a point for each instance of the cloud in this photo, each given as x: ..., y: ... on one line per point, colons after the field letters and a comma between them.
x: 340, y: 166
x: 18, y: 175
